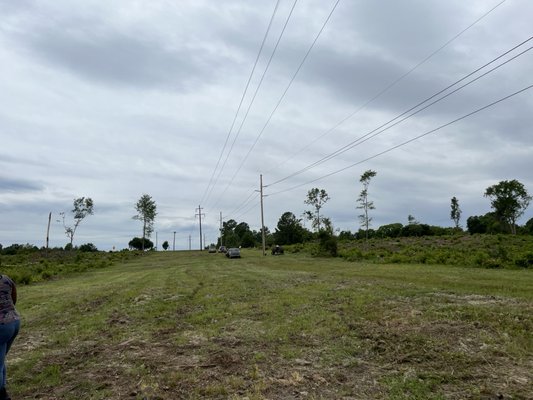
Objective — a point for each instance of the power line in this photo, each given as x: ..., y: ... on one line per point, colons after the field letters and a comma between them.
x: 244, y: 204
x: 382, y: 128
x: 240, y: 103
x: 383, y: 91
x: 377, y: 131
x: 387, y: 88
x: 256, y: 90
x: 250, y: 208
x: 408, y: 141
x: 282, y: 96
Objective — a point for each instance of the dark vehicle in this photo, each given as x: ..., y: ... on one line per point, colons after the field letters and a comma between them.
x: 277, y: 250
x: 233, y: 253
x: 222, y: 249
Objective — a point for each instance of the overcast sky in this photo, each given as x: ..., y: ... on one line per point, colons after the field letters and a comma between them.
x: 113, y: 99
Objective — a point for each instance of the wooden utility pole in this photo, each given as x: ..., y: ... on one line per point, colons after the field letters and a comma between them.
x: 174, y: 242
x: 221, y: 226
x: 48, y: 230
x: 200, y: 218
x: 189, y: 242
x: 262, y: 215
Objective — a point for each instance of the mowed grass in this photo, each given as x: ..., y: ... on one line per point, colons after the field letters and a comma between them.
x: 194, y: 325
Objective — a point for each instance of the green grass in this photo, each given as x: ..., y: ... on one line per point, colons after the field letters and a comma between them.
x: 30, y: 266
x: 199, y: 326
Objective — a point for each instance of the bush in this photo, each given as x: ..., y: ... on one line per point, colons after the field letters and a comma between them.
x: 526, y: 261
x: 88, y: 248
x: 389, y: 230
x: 22, y: 277
x: 327, y: 246
x: 18, y: 249
x: 46, y: 275
x: 137, y: 243
x: 353, y: 254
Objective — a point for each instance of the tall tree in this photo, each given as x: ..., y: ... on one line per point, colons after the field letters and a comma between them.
x: 316, y: 198
x: 509, y: 199
x: 237, y: 234
x: 289, y: 229
x: 228, y: 236
x: 140, y: 244
x: 488, y: 223
x: 82, y: 208
x: 455, y: 213
x: 364, y: 203
x: 245, y: 235
x: 146, y: 212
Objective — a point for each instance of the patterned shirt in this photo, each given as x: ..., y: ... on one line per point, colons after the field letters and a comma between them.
x: 7, y: 308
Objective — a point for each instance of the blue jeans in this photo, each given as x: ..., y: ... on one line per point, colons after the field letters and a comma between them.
x: 8, y: 333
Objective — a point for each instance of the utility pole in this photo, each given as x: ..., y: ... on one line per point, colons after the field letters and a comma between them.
x: 221, y: 242
x: 200, y: 217
x: 189, y: 242
x: 155, y: 240
x: 48, y: 230
x: 262, y: 215
x: 174, y: 242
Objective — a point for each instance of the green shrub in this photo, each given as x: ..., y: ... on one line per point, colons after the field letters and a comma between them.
x: 526, y: 261
x: 88, y: 248
x: 294, y: 248
x: 481, y: 258
x: 327, y: 246
x: 21, y: 277
x: 46, y: 275
x: 353, y: 254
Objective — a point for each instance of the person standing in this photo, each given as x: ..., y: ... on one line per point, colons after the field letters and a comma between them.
x: 9, y: 327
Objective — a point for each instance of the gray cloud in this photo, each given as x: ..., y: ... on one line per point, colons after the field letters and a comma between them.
x: 117, y: 58
x: 19, y: 185
x: 115, y: 99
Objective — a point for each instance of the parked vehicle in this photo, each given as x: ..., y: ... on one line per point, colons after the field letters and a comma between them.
x: 222, y: 249
x: 212, y: 248
x: 233, y: 253
x: 277, y: 250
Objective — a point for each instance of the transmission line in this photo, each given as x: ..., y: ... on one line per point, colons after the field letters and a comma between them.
x: 384, y: 90
x: 256, y: 91
x: 282, y: 97
x: 250, y: 208
x: 210, y: 185
x: 408, y: 141
x: 244, y: 204
x: 382, y: 128
x: 387, y: 88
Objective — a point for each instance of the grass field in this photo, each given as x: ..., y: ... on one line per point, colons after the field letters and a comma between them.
x: 193, y: 325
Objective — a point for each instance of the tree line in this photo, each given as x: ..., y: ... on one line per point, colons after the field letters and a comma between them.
x: 508, y: 201
x: 146, y: 211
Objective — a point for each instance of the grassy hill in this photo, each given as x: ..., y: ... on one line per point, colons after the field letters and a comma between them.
x: 485, y: 251
x: 196, y: 325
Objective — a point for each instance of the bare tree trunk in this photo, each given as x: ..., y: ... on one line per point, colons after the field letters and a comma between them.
x: 48, y: 230
x: 144, y: 232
